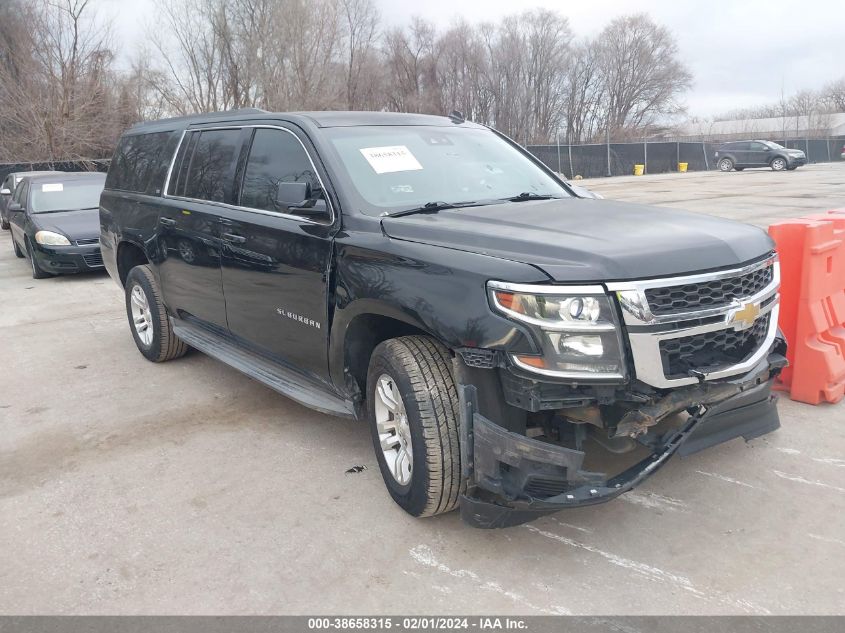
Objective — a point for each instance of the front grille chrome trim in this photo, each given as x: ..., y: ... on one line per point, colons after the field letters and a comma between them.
x: 635, y: 309
x: 648, y: 364
x: 645, y: 339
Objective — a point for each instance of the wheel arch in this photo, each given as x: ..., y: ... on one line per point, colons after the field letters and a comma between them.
x: 363, y: 333
x: 129, y: 255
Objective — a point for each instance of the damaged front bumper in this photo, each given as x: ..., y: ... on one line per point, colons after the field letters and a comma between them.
x: 513, y: 479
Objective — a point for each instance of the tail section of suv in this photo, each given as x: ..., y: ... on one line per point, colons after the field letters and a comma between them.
x: 741, y: 155
x: 501, y: 336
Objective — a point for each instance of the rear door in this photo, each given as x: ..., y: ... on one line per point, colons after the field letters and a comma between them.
x: 276, y: 257
x: 200, y: 186
x: 758, y: 154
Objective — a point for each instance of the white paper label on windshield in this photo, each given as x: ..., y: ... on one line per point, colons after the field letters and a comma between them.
x: 385, y: 160
x: 57, y: 186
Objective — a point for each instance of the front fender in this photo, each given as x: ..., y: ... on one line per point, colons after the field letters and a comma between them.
x: 437, y: 290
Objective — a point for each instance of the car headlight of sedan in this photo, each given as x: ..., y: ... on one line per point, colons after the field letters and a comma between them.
x: 49, y: 238
x: 576, y: 327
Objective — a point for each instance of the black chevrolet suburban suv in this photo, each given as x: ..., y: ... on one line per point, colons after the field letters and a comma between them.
x: 505, y: 339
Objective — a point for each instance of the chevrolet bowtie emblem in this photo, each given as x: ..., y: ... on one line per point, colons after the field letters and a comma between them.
x: 744, y: 317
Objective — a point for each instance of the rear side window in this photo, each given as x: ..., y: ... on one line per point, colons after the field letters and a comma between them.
x: 20, y: 192
x: 209, y: 171
x: 275, y: 156
x: 140, y: 163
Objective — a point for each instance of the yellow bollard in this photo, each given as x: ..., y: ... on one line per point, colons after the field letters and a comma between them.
x: 638, y: 170
x: 682, y: 167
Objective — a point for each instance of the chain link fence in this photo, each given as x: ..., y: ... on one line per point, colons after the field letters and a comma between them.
x: 660, y: 157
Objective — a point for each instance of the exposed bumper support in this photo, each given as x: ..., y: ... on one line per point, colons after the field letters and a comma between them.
x: 502, y: 468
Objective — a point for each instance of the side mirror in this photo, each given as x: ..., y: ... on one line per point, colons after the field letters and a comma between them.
x: 298, y: 198
x: 14, y: 207
x: 5, y: 192
x: 292, y: 194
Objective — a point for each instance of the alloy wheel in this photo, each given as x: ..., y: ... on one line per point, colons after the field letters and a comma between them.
x: 142, y: 319
x: 393, y: 430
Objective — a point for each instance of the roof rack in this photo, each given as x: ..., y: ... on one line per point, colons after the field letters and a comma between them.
x: 198, y: 117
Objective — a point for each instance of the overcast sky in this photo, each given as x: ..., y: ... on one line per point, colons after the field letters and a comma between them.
x: 741, y: 52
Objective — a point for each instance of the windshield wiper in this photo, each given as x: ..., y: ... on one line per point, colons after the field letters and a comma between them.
x: 66, y: 210
x: 527, y: 195
x: 429, y: 207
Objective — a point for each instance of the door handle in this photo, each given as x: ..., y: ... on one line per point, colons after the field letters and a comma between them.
x: 235, y: 239
x: 167, y: 221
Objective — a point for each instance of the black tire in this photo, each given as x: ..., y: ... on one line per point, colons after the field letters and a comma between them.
x: 18, y: 251
x: 778, y: 164
x: 726, y: 164
x: 421, y: 370
x: 4, y: 224
x: 37, y: 271
x: 164, y: 344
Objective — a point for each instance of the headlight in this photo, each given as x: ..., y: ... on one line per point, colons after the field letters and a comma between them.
x: 48, y: 238
x: 575, y: 326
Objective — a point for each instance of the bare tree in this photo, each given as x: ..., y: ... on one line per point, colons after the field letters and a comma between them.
x: 643, y: 77
x: 57, y: 80
x: 360, y: 29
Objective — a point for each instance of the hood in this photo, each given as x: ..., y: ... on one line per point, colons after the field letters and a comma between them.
x: 75, y: 225
x: 589, y: 240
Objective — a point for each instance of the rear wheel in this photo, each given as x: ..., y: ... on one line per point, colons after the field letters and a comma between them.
x: 37, y: 271
x: 413, y: 415
x: 726, y: 164
x: 148, y: 319
x: 778, y: 164
x: 4, y: 224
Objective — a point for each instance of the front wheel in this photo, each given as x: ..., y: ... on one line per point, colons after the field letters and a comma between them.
x: 148, y: 319
x: 4, y: 224
x: 726, y: 164
x: 17, y: 249
x: 37, y: 271
x: 413, y: 414
x: 778, y: 164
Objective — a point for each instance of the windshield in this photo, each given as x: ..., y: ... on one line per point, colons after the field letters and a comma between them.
x: 402, y: 167
x: 65, y: 196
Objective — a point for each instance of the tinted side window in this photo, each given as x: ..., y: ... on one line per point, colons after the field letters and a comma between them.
x: 757, y: 147
x: 210, y: 172
x: 181, y: 164
x: 137, y: 163
x: 275, y: 156
x: 20, y: 192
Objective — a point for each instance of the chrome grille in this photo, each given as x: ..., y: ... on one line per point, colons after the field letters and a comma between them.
x: 710, y: 326
x: 711, y: 350
x: 707, y: 294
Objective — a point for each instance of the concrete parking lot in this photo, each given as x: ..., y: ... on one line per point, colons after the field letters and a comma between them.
x: 133, y: 488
